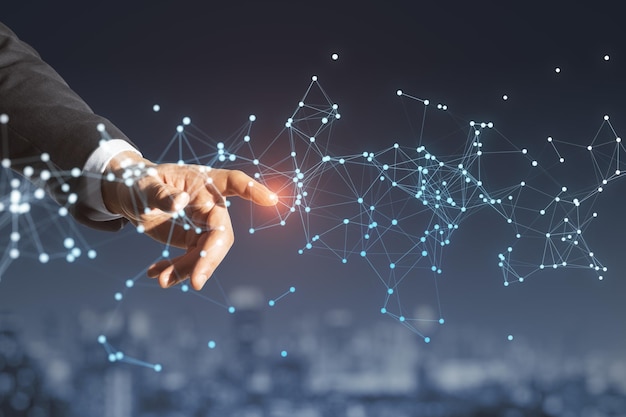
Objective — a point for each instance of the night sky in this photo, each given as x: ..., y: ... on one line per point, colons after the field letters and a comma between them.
x: 220, y: 63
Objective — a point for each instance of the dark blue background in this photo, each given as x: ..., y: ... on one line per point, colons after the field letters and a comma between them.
x: 218, y: 63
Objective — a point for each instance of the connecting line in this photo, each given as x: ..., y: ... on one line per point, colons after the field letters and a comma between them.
x: 273, y: 302
x: 405, y: 322
x: 551, y: 141
x: 115, y: 355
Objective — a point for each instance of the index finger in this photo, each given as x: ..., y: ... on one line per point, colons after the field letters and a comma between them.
x: 236, y: 183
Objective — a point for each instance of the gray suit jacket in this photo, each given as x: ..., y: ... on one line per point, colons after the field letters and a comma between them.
x: 46, y: 116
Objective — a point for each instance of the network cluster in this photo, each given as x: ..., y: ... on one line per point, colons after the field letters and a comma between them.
x: 397, y: 209
x: 32, y: 225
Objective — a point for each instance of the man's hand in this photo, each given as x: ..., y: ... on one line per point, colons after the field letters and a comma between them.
x: 181, y: 206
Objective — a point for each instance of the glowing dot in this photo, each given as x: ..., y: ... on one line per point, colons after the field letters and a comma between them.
x: 102, y: 339
x: 427, y: 339
x: 157, y: 367
x: 118, y: 296
x: 509, y: 337
x: 100, y: 127
x: 399, y: 92
x: 252, y: 118
x: 272, y: 303
x: 211, y: 344
x: 292, y: 289
x: 68, y: 243
x: 4, y: 118
x: 441, y: 321
x: 283, y: 353
x: 505, y: 97
x: 130, y: 283
x: 314, y: 78
x: 557, y: 70
x: 156, y: 108
x: 606, y: 57
x: 231, y: 309
x: 186, y: 121
x: 334, y: 57
x: 43, y: 258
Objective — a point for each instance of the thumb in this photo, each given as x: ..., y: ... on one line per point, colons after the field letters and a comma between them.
x: 165, y: 197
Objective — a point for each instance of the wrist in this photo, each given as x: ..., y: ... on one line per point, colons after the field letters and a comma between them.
x: 123, y: 160
x: 114, y: 183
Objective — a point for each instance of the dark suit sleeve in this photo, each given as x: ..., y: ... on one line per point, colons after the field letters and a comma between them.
x: 46, y: 116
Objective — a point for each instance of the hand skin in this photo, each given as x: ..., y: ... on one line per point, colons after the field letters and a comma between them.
x: 163, y: 198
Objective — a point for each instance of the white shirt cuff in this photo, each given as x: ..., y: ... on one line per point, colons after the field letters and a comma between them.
x: 92, y: 172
